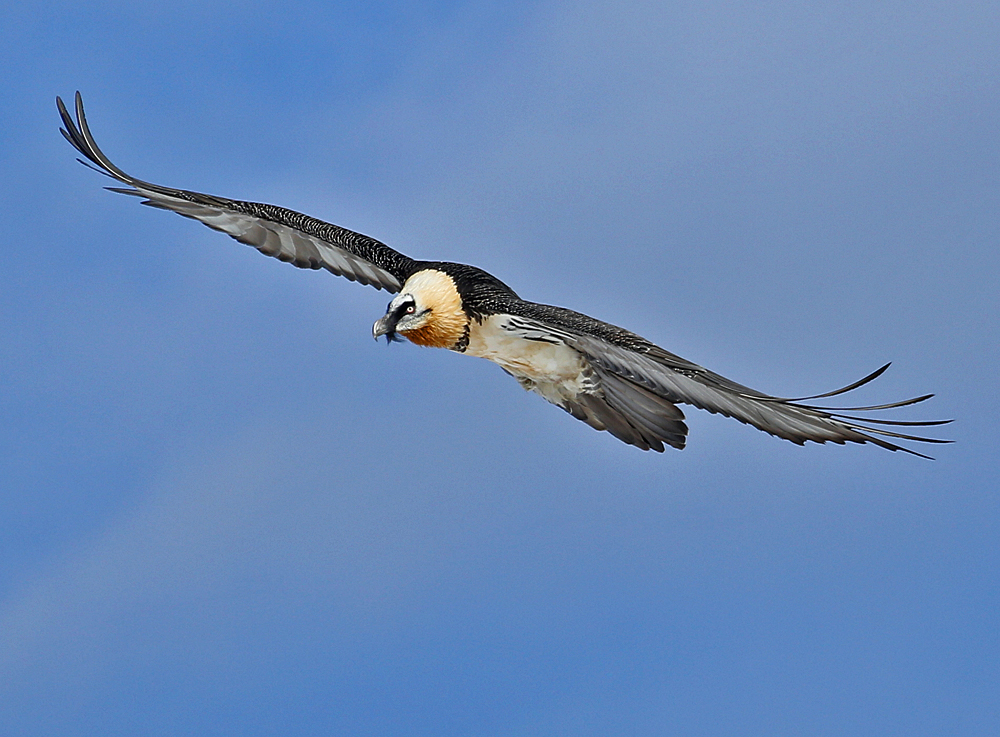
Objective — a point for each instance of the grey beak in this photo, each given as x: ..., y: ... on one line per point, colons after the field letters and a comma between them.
x: 386, y: 325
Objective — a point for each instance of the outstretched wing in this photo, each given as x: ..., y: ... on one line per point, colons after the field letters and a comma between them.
x: 274, y: 231
x: 639, y: 383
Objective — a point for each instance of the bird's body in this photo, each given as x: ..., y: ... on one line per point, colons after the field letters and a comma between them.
x: 608, y: 377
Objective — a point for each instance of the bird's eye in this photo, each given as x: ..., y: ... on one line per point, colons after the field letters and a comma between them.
x: 410, y: 309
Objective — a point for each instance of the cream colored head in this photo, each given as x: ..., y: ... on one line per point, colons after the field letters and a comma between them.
x: 427, y: 311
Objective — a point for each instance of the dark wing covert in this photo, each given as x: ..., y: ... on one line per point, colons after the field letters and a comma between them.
x: 290, y: 236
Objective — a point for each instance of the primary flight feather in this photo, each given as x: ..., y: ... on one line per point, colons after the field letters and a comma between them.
x: 608, y: 377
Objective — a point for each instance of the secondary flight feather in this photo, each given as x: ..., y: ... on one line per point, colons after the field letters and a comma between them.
x: 608, y: 377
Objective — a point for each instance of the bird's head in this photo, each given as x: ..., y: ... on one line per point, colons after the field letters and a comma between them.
x: 427, y: 311
x: 401, y: 316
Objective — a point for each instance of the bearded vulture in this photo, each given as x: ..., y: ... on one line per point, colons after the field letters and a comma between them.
x: 608, y: 377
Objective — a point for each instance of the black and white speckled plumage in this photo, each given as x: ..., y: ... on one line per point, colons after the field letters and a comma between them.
x: 604, y: 375
x: 364, y: 246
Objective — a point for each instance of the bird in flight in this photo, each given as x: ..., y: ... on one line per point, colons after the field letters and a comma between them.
x: 608, y: 377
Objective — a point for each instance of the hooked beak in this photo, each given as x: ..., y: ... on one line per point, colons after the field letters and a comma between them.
x: 386, y: 325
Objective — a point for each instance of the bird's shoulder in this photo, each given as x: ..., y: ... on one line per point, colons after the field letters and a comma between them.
x: 571, y: 322
x: 602, y: 343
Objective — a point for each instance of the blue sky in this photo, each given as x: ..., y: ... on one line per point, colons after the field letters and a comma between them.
x: 225, y: 510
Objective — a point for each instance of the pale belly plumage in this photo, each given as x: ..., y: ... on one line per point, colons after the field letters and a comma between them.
x: 553, y: 370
